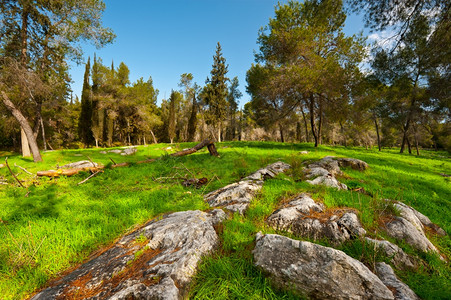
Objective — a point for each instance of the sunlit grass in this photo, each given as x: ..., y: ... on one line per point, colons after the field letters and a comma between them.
x: 55, y: 223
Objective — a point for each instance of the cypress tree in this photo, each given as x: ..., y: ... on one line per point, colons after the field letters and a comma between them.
x: 216, y: 91
x: 85, y: 120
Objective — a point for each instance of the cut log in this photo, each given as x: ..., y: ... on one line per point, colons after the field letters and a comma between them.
x: 68, y: 172
x: 72, y: 168
x: 209, y: 143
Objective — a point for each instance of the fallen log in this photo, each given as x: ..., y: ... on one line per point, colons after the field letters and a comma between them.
x: 68, y: 172
x: 208, y: 143
x: 73, y: 169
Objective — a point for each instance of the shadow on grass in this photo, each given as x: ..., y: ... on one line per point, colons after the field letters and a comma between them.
x: 39, y: 204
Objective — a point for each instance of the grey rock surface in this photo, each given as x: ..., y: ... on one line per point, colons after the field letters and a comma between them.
x: 129, y: 151
x: 417, y: 218
x: 401, y: 229
x: 323, y: 172
x: 269, y: 171
x: 80, y: 165
x: 300, y: 206
x: 315, y: 271
x: 329, y: 181
x: 157, y: 261
x: 305, y: 218
x: 398, y: 257
x: 400, y: 290
x: 354, y: 163
x: 117, y: 151
x: 236, y: 197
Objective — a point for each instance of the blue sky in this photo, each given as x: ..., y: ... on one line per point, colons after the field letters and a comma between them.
x: 166, y: 38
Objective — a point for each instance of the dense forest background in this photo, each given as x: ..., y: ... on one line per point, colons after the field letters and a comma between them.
x: 310, y: 82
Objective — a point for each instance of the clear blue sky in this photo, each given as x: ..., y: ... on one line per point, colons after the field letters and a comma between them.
x: 166, y: 38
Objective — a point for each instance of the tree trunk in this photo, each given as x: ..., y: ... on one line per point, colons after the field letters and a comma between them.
x: 312, y: 119
x: 343, y: 134
x: 377, y: 133
x: 25, y: 147
x: 307, y: 138
x: 154, y: 138
x: 43, y: 132
x: 408, y: 145
x: 24, y: 125
x: 282, y: 139
x: 320, y: 123
x: 416, y: 144
x: 219, y: 133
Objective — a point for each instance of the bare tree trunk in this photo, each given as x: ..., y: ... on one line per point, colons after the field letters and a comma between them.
x: 219, y: 133
x: 408, y: 145
x: 282, y: 139
x: 154, y: 138
x: 377, y: 133
x: 24, y: 125
x: 312, y: 119
x: 305, y: 124
x: 320, y: 125
x: 343, y: 134
x: 43, y: 132
x: 25, y: 147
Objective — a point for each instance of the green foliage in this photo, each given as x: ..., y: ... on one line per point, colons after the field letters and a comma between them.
x: 85, y: 119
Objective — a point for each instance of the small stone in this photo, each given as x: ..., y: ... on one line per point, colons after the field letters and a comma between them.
x: 102, y: 152
x: 303, y: 152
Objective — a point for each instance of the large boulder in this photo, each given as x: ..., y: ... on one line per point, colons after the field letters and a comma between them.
x: 316, y: 271
x: 323, y: 172
x: 329, y: 181
x: 401, y: 229
x: 398, y: 257
x: 400, y: 290
x: 157, y: 261
x: 354, y: 163
x: 417, y: 219
x: 305, y: 218
x: 268, y: 172
x: 236, y: 197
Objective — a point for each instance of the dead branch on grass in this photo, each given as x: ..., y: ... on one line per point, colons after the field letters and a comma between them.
x: 23, y: 169
x: 20, y: 183
x: 92, y: 175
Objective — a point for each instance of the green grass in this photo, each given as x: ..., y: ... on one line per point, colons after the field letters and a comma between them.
x: 56, y: 224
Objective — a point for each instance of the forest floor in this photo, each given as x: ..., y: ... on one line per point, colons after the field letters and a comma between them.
x: 54, y: 224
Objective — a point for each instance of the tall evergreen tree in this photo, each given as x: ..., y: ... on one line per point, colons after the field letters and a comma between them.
x: 232, y: 98
x: 174, y: 101
x: 215, y: 93
x: 85, y: 119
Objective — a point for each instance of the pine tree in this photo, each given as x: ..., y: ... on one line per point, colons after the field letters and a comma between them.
x: 216, y: 91
x: 85, y: 120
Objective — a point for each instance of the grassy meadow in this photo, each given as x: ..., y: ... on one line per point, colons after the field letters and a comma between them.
x: 56, y: 224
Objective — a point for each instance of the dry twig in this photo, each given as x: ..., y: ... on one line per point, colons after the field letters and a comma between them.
x: 90, y: 176
x: 23, y: 169
x: 20, y: 183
